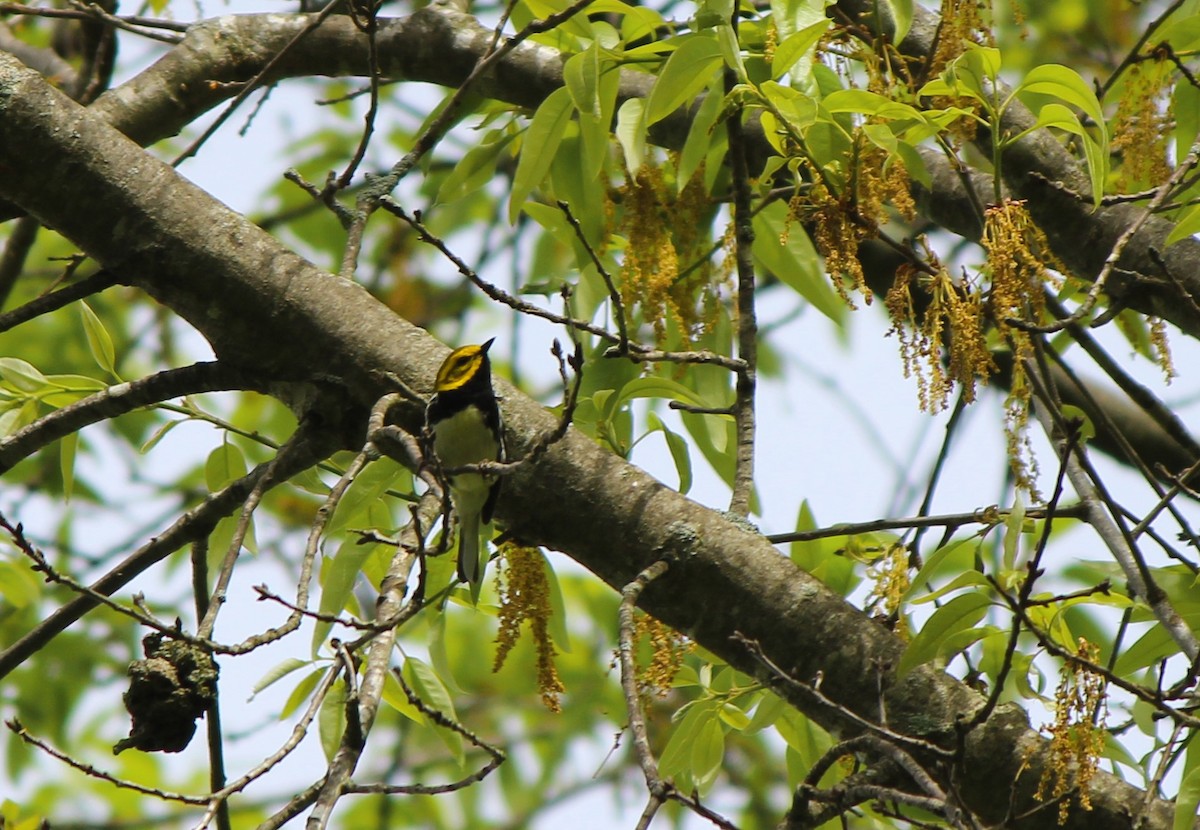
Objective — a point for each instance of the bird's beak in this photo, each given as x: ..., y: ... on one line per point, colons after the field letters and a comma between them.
x: 485, y: 346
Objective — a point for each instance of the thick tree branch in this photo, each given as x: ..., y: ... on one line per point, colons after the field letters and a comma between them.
x: 442, y: 46
x: 247, y: 294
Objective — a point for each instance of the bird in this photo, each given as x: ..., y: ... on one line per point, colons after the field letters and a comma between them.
x: 463, y: 417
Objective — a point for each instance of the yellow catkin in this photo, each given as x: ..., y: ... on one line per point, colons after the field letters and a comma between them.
x: 667, y: 650
x: 953, y: 320
x: 842, y: 220
x: 891, y: 581
x: 1162, y: 349
x: 1143, y: 126
x: 525, y: 596
x: 1018, y: 262
x: 667, y: 271
x: 1077, y: 734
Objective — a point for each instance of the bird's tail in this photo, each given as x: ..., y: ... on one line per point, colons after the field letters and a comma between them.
x: 470, y: 569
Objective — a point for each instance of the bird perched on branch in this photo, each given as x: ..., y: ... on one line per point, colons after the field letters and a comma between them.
x: 464, y: 419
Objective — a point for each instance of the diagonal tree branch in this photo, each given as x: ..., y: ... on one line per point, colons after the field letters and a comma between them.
x: 246, y: 294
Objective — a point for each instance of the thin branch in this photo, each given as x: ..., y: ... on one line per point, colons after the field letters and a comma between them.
x: 811, y: 690
x: 1114, y: 256
x: 1088, y: 487
x: 747, y: 337
x: 92, y: 772
x: 497, y: 755
x: 989, y: 516
x: 1033, y: 571
x: 254, y: 82
x: 194, y: 524
x: 130, y: 23
x: 439, y: 126
x: 55, y: 300
x: 16, y: 248
x: 119, y: 400
x: 618, y: 307
x: 1132, y: 57
x: 1153, y: 698
x: 299, y: 731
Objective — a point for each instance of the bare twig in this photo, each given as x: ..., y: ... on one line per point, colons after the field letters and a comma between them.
x: 92, y: 772
x: 194, y: 524
x: 618, y: 307
x: 254, y: 83
x: 747, y: 320
x: 1089, y: 488
x: 55, y: 300
x: 989, y: 516
x: 120, y: 399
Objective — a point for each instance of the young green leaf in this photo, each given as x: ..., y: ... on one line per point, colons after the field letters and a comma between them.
x: 541, y: 142
x: 679, y: 451
x: 689, y: 69
x: 99, y: 340
x: 961, y: 614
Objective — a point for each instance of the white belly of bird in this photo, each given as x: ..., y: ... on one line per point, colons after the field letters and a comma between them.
x: 465, y: 439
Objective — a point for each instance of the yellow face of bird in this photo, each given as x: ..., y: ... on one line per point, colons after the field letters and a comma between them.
x: 462, y: 365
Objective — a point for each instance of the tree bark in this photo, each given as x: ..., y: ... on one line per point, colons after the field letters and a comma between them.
x: 247, y: 294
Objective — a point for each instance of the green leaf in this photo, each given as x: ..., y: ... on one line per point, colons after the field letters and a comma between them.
x: 733, y: 716
x: 279, y: 671
x: 98, y: 339
x: 224, y: 465
x: 679, y: 452
x: 902, y: 17
x: 475, y: 169
x: 367, y: 489
x: 869, y: 103
x: 423, y: 680
x: 21, y: 374
x: 678, y: 755
x: 792, y: 16
x: 331, y: 719
x: 969, y: 578
x: 799, y: 44
x: 1188, y: 799
x: 1014, y: 526
x: 439, y: 652
x: 394, y: 696
x: 1095, y: 152
x: 700, y: 137
x: 708, y: 751
x: 961, y: 614
x: 1187, y: 225
x: 652, y: 386
x: 1186, y: 107
x: 631, y: 134
x: 581, y: 75
x: 1063, y: 83
x: 731, y: 51
x: 1087, y: 429
x: 19, y: 587
x: 770, y: 707
x: 66, y: 462
x: 794, y: 262
x: 301, y: 693
x: 158, y: 435
x: 796, y: 108
x: 820, y: 557
x: 689, y: 70
x: 541, y: 140
x: 338, y: 579
x: 593, y: 88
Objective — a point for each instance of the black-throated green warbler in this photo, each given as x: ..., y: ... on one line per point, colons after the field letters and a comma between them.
x: 465, y: 421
